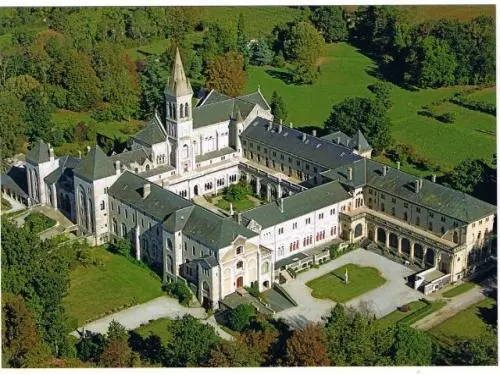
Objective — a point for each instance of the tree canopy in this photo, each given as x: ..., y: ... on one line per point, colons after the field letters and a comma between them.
x: 226, y: 74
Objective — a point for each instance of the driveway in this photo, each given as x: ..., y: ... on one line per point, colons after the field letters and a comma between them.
x: 380, y: 301
x: 161, y: 307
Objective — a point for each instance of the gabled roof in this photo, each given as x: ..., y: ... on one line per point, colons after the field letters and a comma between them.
x: 153, y: 133
x: 436, y: 197
x: 213, y: 97
x: 178, y: 84
x: 138, y: 155
x: 360, y: 143
x: 95, y: 165
x: 256, y: 98
x: 15, y: 179
x: 316, y: 150
x: 65, y: 162
x: 212, y: 230
x: 341, y: 174
x: 39, y: 153
x: 298, y: 204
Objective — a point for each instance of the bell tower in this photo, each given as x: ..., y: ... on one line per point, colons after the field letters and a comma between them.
x: 178, y: 117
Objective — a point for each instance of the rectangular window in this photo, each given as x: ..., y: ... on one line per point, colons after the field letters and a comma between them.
x: 320, y: 216
x: 280, y: 230
x: 431, y: 214
x: 393, y: 200
x: 294, y: 225
x: 418, y: 209
x: 332, y: 211
x: 405, y: 205
x: 308, y: 220
x: 382, y: 196
x: 443, y: 219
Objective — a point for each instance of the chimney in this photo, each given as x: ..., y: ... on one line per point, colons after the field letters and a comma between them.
x: 398, y: 165
x: 303, y: 137
x: 417, y: 186
x: 269, y: 125
x: 280, y: 128
x: 314, y: 133
x: 421, y: 182
x: 281, y: 205
x: 433, y: 178
x: 146, y: 190
x: 349, y: 174
x: 281, y: 121
x: 239, y: 217
x: 384, y: 170
x: 118, y: 168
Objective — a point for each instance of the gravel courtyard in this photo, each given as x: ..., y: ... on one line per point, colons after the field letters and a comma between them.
x: 381, y: 301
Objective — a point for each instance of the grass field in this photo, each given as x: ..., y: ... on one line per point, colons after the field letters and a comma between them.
x: 469, y: 323
x: 238, y: 206
x: 332, y: 285
x: 462, y: 288
x: 96, y: 290
x: 345, y: 72
x: 159, y: 327
x: 487, y: 95
x: 394, y: 317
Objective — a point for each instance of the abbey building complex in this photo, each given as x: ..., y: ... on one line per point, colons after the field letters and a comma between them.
x: 317, y: 191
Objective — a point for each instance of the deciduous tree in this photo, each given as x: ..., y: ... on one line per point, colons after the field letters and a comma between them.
x: 225, y: 74
x: 330, y: 22
x: 307, y: 347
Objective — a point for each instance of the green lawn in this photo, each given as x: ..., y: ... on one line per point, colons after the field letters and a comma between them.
x: 486, y: 95
x: 469, y: 323
x: 159, y: 327
x: 238, y: 206
x: 345, y: 72
x: 332, y: 285
x: 96, y: 290
x: 394, y: 317
x: 462, y: 288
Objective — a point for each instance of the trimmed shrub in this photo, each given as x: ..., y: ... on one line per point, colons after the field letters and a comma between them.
x: 240, y: 318
x: 38, y: 222
x: 448, y: 117
x: 179, y: 290
x: 404, y: 308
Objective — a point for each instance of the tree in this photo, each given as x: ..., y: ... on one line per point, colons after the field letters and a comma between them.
x: 38, y: 115
x: 466, y: 175
x: 21, y: 342
x: 240, y: 317
x: 21, y: 86
x: 278, y: 107
x: 191, y: 343
x: 226, y: 75
x: 367, y: 115
x: 122, y: 247
x: 307, y: 347
x: 82, y: 84
x: 216, y: 42
x: 233, y: 354
x: 13, y: 129
x: 304, y: 43
x: 152, y: 77
x: 478, y: 351
x: 329, y: 20
x: 241, y: 40
x: 382, y: 91
x: 117, y: 353
x: 261, y: 53
x: 411, y: 347
x: 116, y: 331
x: 90, y: 346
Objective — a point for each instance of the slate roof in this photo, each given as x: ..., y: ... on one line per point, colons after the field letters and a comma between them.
x: 95, y: 165
x: 39, y: 153
x: 433, y: 196
x: 212, y: 230
x: 214, y: 154
x: 358, y: 142
x: 297, y: 204
x: 65, y: 162
x: 213, y: 97
x: 155, y: 171
x: 15, y: 179
x: 341, y: 174
x: 177, y: 213
x: 128, y: 157
x: 315, y: 150
x: 153, y: 133
x: 160, y: 203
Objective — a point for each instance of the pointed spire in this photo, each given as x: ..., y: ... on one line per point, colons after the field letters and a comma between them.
x: 178, y: 84
x: 239, y: 119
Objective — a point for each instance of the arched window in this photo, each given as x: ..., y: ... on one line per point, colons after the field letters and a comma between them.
x: 181, y: 112
x: 186, y: 110
x: 169, y: 244
x: 174, y: 112
x: 185, y: 151
x: 147, y: 167
x: 239, y: 265
x: 265, y: 267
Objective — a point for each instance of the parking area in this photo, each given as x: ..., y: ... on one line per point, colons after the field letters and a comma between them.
x: 380, y: 301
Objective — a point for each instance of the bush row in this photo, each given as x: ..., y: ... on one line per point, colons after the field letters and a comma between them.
x: 465, y: 101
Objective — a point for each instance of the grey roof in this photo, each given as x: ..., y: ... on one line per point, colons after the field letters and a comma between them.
x: 213, y: 97
x: 178, y: 84
x: 154, y: 171
x: 95, y: 165
x: 212, y: 230
x: 39, y: 153
x: 297, y: 204
x: 15, y: 179
x: 65, y: 162
x: 360, y: 142
x: 341, y: 174
x: 160, y: 203
x: 134, y: 156
x: 256, y: 98
x: 153, y: 133
x: 214, y: 154
x: 315, y: 150
x: 433, y: 196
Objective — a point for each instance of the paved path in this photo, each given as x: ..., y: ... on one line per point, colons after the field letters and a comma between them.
x: 457, y: 304
x: 161, y: 307
x: 380, y: 301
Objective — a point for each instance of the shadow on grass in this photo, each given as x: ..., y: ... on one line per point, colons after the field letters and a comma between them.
x: 286, y: 77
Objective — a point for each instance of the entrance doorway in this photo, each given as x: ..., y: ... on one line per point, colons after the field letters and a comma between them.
x: 239, y: 282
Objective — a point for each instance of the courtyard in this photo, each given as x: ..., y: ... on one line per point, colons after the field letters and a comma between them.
x: 336, y: 287
x: 380, y: 300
